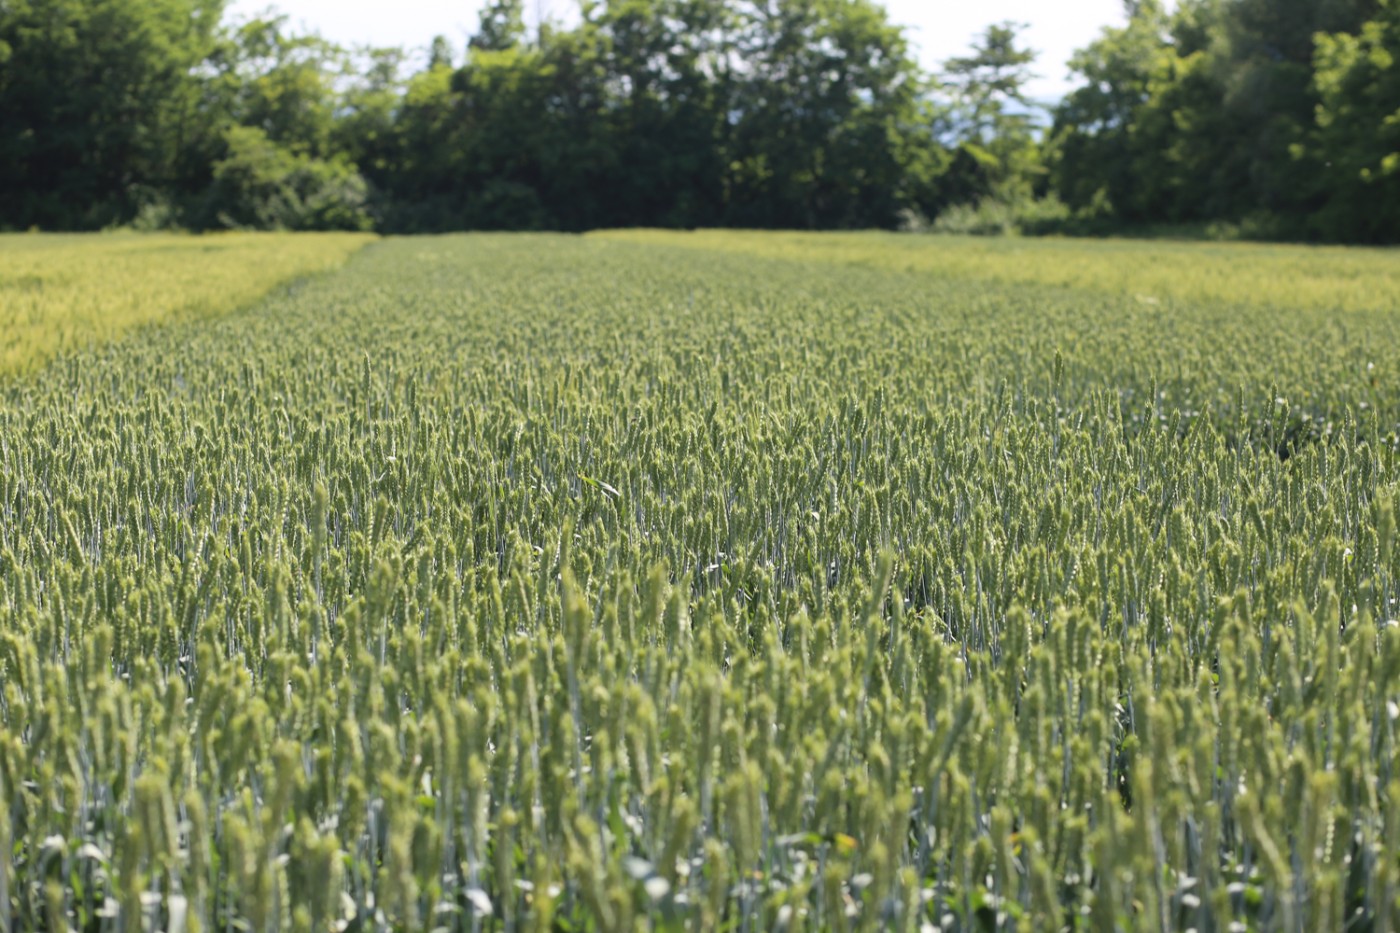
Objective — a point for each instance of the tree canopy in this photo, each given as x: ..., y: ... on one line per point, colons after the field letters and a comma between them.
x: 1279, y: 116
x: 1282, y: 115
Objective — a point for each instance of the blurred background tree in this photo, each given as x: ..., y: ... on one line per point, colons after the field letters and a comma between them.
x: 1266, y: 117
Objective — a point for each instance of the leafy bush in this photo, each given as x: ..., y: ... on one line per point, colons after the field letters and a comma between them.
x: 260, y: 185
x: 155, y: 211
x: 1001, y: 217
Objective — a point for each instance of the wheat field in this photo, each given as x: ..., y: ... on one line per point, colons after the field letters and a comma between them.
x: 661, y: 581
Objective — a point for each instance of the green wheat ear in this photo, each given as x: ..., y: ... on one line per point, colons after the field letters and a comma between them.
x: 734, y: 580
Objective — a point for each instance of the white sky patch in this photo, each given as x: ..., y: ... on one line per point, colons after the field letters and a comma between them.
x: 940, y: 29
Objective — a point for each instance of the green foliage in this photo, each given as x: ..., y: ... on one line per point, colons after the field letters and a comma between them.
x: 260, y: 185
x: 1271, y: 114
x: 646, y: 112
x: 989, y: 106
x: 831, y: 86
x: 1358, y: 129
x: 695, y: 581
x: 1096, y: 145
x: 95, y: 100
x: 280, y: 84
x: 1256, y: 115
x: 990, y: 125
x: 501, y: 27
x: 643, y: 115
x: 996, y: 217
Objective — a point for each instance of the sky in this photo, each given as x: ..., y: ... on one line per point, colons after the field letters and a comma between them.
x: 940, y: 29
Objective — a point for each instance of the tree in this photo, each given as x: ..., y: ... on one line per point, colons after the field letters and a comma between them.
x: 669, y: 113
x: 283, y: 84
x: 1250, y: 141
x: 1092, y: 151
x: 1186, y: 155
x: 471, y: 145
x: 1357, y: 132
x: 502, y: 26
x: 1213, y: 113
x: 439, y: 53
x: 263, y: 186
x: 99, y: 101
x: 365, y: 127
x: 824, y: 94
x: 989, y: 120
x: 667, y: 121
x: 988, y: 86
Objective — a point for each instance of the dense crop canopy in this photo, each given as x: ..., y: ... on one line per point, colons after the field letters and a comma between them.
x: 1147, y: 271
x: 65, y: 293
x: 503, y: 582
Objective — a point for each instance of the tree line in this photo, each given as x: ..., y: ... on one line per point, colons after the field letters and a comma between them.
x: 1278, y: 117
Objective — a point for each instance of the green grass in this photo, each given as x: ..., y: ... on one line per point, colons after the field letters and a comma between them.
x: 610, y: 583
